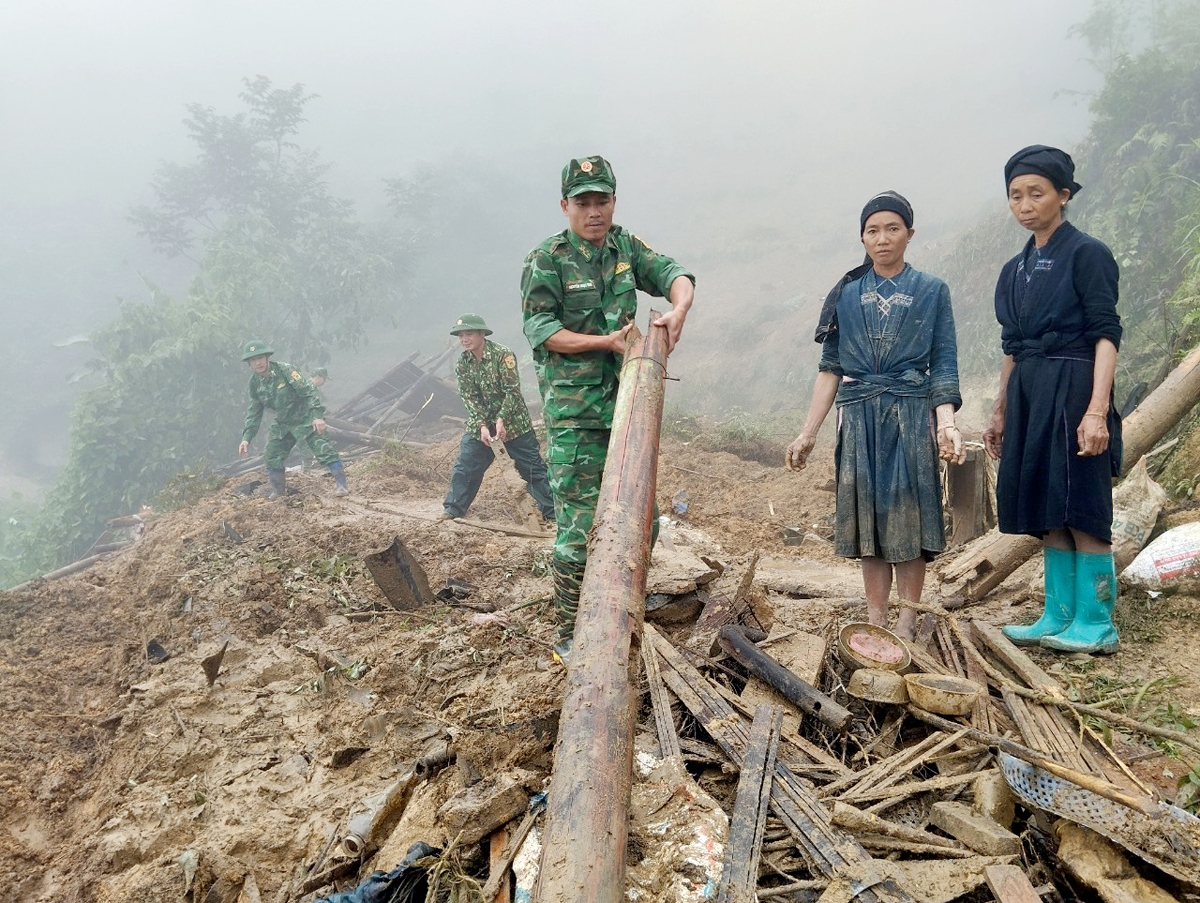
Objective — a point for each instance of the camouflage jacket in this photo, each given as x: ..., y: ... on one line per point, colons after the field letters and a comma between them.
x: 569, y: 283
x: 491, y: 388
x: 292, y: 397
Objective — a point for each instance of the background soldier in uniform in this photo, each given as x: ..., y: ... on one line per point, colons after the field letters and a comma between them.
x: 299, y: 414
x: 579, y: 298
x: 496, y: 412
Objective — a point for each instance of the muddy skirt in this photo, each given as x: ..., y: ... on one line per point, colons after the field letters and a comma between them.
x: 889, y: 494
x: 1042, y: 483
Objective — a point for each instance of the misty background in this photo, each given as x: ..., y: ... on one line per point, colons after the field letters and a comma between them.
x: 745, y: 138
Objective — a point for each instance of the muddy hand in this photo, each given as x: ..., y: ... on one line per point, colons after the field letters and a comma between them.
x: 798, y: 451
x: 950, y: 445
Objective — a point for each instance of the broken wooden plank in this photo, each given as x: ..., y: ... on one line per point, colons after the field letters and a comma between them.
x: 807, y: 697
x: 739, y: 876
x: 1010, y: 884
x: 400, y: 577
x: 801, y: 653
x: 985, y: 562
x: 827, y: 850
x: 853, y: 819
x: 499, y: 867
x: 725, y: 605
x: 668, y: 740
x: 974, y: 829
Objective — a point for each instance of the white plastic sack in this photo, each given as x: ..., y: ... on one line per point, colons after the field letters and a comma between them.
x: 1171, y: 559
x: 1136, y: 505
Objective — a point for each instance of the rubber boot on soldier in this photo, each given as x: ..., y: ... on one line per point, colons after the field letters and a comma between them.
x: 568, y: 578
x: 278, y: 485
x: 339, y: 475
x: 1059, y: 611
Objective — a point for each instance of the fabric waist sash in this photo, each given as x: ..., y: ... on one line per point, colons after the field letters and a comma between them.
x: 909, y: 384
x: 1052, y: 344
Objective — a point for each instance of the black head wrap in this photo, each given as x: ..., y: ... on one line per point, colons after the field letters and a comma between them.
x: 1040, y: 160
x: 886, y: 200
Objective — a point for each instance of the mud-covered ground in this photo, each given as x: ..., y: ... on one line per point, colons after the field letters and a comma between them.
x: 114, y: 764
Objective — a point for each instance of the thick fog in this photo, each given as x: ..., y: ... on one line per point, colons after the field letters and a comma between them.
x: 745, y: 136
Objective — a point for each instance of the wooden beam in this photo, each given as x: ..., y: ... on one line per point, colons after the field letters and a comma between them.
x: 587, y: 817
x: 795, y: 690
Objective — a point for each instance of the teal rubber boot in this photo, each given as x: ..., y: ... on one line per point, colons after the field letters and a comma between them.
x: 1096, y: 594
x: 1059, y: 566
x: 339, y: 476
x: 278, y: 485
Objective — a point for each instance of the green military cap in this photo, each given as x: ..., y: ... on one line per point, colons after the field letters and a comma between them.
x: 468, y: 323
x: 321, y: 372
x: 588, y: 174
x: 255, y: 348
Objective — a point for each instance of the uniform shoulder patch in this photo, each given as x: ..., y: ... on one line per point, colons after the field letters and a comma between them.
x: 510, y: 361
x: 295, y: 374
x: 622, y: 267
x: 642, y: 241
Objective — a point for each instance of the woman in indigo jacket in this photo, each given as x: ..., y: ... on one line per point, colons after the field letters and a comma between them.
x: 890, y: 362
x: 1054, y: 427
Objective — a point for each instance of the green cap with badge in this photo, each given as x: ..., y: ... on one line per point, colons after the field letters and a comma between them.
x: 470, y: 323
x: 255, y: 348
x: 588, y: 174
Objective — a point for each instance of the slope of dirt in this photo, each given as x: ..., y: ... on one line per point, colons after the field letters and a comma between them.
x: 114, y: 765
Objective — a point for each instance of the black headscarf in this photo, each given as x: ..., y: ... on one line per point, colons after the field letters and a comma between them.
x: 1040, y: 160
x: 885, y: 200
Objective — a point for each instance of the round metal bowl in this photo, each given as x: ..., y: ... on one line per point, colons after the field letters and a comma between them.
x: 877, y: 685
x: 900, y: 660
x: 942, y: 694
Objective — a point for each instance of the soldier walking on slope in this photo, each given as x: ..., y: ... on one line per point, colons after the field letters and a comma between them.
x: 299, y: 414
x: 491, y: 391
x: 579, y: 296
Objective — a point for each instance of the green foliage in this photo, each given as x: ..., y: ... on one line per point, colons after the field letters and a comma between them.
x: 277, y: 257
x: 1140, y: 168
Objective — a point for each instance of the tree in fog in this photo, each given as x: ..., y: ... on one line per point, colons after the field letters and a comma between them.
x: 277, y: 256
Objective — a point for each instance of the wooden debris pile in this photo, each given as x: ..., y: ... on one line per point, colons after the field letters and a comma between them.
x: 840, y: 798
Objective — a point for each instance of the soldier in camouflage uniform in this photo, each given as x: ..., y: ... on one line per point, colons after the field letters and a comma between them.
x: 496, y: 411
x: 299, y: 415
x: 579, y: 297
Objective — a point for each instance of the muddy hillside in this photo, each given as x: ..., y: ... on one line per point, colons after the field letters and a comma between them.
x: 206, y: 714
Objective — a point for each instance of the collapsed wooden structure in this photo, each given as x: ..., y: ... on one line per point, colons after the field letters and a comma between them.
x: 408, y: 394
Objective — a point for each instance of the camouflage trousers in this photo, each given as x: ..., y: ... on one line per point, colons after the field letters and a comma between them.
x: 282, y: 438
x: 575, y: 461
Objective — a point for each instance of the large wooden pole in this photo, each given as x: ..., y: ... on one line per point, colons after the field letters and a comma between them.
x: 587, y: 814
x: 987, y: 561
x: 1161, y: 410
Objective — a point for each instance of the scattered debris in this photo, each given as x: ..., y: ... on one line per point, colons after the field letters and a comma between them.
x: 212, y: 664
x: 400, y: 576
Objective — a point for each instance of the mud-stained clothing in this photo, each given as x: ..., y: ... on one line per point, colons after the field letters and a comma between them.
x: 1054, y: 304
x: 296, y: 404
x: 894, y: 349
x: 569, y: 283
x: 491, y: 389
